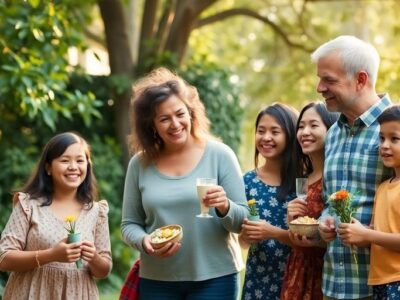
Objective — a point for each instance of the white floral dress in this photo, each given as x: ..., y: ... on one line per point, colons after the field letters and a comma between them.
x: 34, y: 227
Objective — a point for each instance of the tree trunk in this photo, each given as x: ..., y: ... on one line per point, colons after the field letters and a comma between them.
x: 186, y: 15
x: 121, y: 64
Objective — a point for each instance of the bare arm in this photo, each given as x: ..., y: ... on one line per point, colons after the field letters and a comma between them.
x: 257, y: 231
x: 387, y: 240
x: 360, y: 235
x: 23, y: 261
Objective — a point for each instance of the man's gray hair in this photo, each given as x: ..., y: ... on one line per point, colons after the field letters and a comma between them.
x: 356, y: 55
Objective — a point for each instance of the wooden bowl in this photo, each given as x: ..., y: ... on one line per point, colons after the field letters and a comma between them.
x: 161, y: 236
x: 305, y: 229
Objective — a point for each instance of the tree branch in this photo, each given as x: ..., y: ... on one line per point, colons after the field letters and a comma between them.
x: 250, y: 13
x: 165, y: 24
x: 95, y: 37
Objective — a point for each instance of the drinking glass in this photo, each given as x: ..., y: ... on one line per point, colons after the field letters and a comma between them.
x: 302, y: 187
x: 203, y: 185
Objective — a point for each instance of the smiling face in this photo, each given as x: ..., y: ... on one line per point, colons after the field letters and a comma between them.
x: 390, y: 145
x: 270, y: 138
x: 172, y: 122
x: 311, y: 132
x: 69, y: 170
x: 335, y: 86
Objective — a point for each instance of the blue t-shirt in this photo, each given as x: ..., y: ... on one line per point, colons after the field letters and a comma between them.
x: 266, y: 264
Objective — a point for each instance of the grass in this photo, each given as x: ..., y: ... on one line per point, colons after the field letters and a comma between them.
x: 109, y: 296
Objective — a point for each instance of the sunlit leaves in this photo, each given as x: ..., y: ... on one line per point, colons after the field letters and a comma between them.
x: 35, y: 37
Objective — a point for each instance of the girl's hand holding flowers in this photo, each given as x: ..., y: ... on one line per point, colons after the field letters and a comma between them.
x: 64, y: 252
x: 88, y: 251
x: 257, y: 231
x: 73, y: 236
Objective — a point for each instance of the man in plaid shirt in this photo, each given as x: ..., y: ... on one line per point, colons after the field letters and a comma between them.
x: 347, y: 68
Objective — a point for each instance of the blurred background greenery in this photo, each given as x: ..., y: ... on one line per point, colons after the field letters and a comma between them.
x: 69, y: 65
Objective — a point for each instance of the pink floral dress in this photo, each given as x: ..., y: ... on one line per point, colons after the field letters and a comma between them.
x: 34, y: 227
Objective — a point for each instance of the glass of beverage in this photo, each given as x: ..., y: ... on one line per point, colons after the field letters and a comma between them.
x: 203, y: 185
x: 301, y: 188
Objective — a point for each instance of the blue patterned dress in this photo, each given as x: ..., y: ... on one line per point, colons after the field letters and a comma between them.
x: 265, y: 265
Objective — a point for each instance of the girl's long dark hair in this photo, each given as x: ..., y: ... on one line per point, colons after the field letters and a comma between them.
x: 304, y: 165
x: 286, y: 117
x: 40, y: 184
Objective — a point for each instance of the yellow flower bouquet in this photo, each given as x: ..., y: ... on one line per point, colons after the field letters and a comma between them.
x: 253, y: 211
x: 253, y: 216
x: 73, y: 236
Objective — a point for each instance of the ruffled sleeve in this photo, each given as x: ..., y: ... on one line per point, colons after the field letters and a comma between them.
x: 15, y: 233
x: 102, y: 238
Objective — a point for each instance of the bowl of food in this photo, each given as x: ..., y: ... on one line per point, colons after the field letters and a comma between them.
x: 163, y: 235
x: 305, y: 226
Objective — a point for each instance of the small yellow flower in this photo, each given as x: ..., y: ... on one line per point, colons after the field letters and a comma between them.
x: 253, y: 207
x: 70, y: 219
x: 251, y: 202
x: 71, y: 223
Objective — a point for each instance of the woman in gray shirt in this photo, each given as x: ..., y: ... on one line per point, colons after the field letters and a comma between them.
x: 173, y: 147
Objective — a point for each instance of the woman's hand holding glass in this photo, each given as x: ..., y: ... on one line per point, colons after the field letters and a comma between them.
x: 167, y: 250
x: 216, y: 197
x: 296, y: 208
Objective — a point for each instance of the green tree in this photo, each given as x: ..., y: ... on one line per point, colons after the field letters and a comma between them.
x: 35, y: 37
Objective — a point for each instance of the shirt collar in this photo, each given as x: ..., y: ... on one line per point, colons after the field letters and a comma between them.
x: 371, y: 114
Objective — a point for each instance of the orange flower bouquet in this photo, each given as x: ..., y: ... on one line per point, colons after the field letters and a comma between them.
x: 341, y: 203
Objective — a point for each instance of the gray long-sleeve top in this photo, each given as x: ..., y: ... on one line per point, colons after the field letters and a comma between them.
x: 210, y: 247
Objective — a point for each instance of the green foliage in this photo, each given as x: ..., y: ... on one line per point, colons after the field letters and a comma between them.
x: 34, y: 40
x: 221, y: 98
x: 107, y: 159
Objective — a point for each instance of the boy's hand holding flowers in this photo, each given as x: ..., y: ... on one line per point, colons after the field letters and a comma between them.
x: 354, y: 233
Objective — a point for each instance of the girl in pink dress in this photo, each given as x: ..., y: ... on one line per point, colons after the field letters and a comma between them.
x: 33, y: 245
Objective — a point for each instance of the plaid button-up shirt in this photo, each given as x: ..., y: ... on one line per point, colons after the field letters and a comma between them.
x: 352, y: 162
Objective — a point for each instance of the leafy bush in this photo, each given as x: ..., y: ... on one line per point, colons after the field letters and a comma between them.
x: 221, y: 98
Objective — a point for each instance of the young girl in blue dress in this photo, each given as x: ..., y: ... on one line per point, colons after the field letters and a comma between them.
x: 272, y: 185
